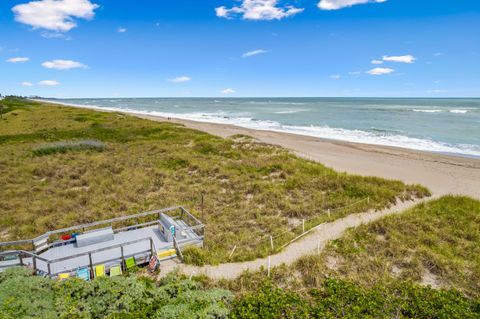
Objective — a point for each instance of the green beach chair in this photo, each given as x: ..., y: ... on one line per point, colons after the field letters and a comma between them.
x: 115, y: 271
x: 129, y: 263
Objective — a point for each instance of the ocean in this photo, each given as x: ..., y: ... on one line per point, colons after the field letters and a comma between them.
x: 449, y: 126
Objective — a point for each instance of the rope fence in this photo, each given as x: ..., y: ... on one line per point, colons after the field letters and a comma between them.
x: 273, y: 243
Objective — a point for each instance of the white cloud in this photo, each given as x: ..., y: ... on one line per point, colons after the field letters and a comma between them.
x: 18, y: 60
x: 335, y: 76
x: 121, y: 30
x: 227, y: 91
x: 380, y: 71
x: 254, y: 52
x: 258, y: 10
x: 377, y: 62
x: 56, y: 15
x: 180, y: 79
x: 339, y: 4
x: 48, y: 83
x: 400, y: 58
x: 63, y: 65
x: 26, y: 83
x: 355, y: 72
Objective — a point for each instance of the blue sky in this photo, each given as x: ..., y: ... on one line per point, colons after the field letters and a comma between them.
x: 235, y: 48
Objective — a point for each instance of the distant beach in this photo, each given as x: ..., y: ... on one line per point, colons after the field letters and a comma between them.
x: 441, y: 173
x: 448, y: 126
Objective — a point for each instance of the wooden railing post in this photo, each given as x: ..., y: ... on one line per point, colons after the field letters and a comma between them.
x: 34, y: 259
x: 91, y: 265
x: 122, y: 265
x: 21, y: 259
x: 49, y: 269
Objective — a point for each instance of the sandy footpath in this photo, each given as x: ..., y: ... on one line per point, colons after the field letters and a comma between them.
x: 442, y: 174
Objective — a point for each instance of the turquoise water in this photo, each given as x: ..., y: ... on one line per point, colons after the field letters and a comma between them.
x: 436, y: 125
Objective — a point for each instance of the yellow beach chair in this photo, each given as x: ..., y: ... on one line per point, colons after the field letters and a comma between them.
x: 63, y: 277
x: 99, y: 270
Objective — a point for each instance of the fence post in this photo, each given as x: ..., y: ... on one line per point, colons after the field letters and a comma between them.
x: 34, y: 259
x: 233, y: 250
x: 271, y: 242
x: 49, y: 269
x: 21, y: 259
x: 268, y: 269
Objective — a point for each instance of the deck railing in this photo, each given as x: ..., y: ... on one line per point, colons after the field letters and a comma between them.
x: 195, y: 225
x: 22, y: 255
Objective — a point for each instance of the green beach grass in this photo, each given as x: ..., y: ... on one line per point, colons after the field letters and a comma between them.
x: 250, y: 190
x: 434, y: 244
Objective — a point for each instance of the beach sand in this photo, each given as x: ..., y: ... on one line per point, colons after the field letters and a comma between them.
x: 442, y: 174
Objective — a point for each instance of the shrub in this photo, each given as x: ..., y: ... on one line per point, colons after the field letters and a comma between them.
x: 64, y: 147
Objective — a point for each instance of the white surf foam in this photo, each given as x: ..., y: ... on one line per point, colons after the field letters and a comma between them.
x: 456, y: 111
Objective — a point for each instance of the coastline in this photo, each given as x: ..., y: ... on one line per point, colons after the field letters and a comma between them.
x: 442, y: 173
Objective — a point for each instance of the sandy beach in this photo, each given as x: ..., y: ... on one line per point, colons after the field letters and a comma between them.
x: 442, y: 174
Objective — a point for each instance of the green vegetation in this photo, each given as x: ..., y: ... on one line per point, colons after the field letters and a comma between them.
x: 70, y: 146
x: 340, y: 299
x: 434, y: 244
x: 26, y: 296
x: 251, y: 190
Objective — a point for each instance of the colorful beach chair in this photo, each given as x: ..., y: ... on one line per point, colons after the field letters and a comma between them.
x: 63, y: 277
x: 115, y: 271
x: 99, y: 271
x: 129, y: 263
x: 84, y: 273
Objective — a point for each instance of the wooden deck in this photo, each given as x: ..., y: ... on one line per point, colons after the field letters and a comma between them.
x: 140, y: 241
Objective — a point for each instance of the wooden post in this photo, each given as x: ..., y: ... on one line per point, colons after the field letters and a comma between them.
x: 233, y: 250
x: 271, y: 242
x: 91, y: 265
x: 151, y: 246
x: 122, y: 265
x: 268, y: 268
x: 49, y: 269
x: 203, y: 220
x: 34, y: 259
x: 21, y: 259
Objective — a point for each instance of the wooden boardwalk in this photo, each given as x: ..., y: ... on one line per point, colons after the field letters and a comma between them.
x: 164, y: 236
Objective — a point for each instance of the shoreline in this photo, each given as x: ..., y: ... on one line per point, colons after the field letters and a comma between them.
x: 442, y: 173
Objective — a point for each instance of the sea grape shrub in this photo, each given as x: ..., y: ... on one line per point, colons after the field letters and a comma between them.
x: 26, y: 296
x: 340, y: 299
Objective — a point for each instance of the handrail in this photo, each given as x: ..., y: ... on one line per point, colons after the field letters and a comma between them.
x: 30, y: 254
x: 16, y: 242
x: 103, y: 222
x: 99, y: 250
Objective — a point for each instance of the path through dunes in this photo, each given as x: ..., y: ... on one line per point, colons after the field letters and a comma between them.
x: 316, y: 239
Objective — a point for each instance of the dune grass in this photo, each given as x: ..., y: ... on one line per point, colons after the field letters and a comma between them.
x: 434, y: 244
x: 250, y: 189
